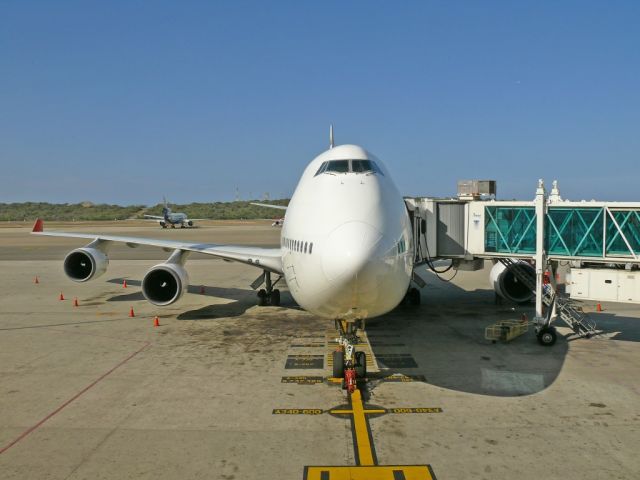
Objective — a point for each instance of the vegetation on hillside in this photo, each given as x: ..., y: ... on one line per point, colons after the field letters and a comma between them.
x: 224, y: 210
x: 88, y: 211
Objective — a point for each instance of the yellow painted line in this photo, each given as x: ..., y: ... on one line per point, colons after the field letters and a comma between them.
x: 365, y: 449
x: 349, y: 412
x: 378, y: 472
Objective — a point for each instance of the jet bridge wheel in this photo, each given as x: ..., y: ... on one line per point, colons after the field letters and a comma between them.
x: 547, y: 336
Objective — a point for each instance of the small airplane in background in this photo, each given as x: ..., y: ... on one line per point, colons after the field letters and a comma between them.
x: 277, y: 222
x: 171, y: 219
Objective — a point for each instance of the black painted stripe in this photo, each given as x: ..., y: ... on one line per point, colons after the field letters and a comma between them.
x: 399, y: 475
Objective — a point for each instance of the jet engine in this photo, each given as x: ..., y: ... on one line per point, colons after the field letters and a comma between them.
x: 190, y: 223
x: 165, y: 283
x: 508, y: 286
x: 83, y: 264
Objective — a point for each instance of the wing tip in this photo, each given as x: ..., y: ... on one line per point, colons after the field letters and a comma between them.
x: 38, y: 227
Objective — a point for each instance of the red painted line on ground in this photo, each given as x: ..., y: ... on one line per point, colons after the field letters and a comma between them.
x: 75, y: 397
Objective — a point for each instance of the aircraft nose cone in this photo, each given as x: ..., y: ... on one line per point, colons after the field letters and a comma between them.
x: 348, y: 249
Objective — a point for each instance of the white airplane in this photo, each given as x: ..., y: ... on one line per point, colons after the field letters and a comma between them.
x: 346, y: 250
x: 277, y: 222
x: 171, y: 219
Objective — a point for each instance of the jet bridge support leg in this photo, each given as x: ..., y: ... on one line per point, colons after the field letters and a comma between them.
x: 540, y: 258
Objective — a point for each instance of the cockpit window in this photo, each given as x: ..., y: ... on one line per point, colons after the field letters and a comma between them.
x: 364, y: 166
x: 346, y: 166
x: 322, y: 168
x: 338, y: 166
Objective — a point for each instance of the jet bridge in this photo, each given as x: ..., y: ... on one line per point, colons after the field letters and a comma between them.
x: 597, y: 239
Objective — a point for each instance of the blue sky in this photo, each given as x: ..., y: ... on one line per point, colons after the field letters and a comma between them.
x: 124, y: 102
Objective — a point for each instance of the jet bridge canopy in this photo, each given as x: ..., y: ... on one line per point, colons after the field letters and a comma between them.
x: 603, y: 231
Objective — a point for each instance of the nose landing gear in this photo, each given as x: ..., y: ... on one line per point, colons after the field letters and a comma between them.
x: 349, y: 364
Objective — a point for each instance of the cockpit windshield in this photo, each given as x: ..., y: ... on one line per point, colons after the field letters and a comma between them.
x: 349, y: 166
x: 338, y: 166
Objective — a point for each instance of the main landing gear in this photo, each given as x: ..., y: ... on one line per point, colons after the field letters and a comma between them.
x: 269, y: 295
x: 412, y: 297
x: 348, y: 364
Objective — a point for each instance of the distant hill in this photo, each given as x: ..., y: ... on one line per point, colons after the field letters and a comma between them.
x: 90, y: 212
x: 224, y: 210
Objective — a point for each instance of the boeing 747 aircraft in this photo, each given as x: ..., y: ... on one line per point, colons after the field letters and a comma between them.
x: 346, y: 250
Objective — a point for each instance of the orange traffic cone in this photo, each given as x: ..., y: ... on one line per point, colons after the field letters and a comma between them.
x: 124, y: 283
x: 156, y: 321
x: 61, y: 296
x: 131, y: 314
x: 598, y: 308
x: 35, y: 280
x: 75, y: 301
x: 202, y: 289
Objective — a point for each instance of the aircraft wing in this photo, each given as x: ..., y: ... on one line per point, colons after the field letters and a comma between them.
x: 277, y: 207
x: 155, y: 217
x: 264, y: 258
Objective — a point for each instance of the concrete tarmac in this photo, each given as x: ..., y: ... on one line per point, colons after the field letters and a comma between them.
x: 88, y: 393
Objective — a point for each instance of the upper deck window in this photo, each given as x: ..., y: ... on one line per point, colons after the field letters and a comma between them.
x: 349, y: 166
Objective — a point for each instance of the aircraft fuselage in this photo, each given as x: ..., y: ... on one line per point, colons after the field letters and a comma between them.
x: 346, y: 238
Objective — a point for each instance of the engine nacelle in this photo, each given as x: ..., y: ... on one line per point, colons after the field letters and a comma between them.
x: 508, y: 286
x: 83, y: 264
x: 165, y: 283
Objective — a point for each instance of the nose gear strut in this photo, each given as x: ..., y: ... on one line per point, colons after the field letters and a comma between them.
x: 349, y: 364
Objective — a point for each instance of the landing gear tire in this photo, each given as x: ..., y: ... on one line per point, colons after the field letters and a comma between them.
x: 275, y: 298
x: 414, y: 296
x: 361, y: 365
x: 262, y: 297
x: 547, y: 336
x: 338, y: 364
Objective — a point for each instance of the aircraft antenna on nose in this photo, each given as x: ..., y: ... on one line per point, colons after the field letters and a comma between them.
x: 331, y: 136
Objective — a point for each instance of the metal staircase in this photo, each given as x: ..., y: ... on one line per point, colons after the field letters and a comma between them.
x: 570, y: 311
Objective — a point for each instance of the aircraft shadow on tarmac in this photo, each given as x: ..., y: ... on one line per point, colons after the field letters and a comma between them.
x: 618, y: 327
x: 242, y: 300
x: 445, y: 339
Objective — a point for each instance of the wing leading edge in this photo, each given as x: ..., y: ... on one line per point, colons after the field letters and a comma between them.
x: 264, y: 258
